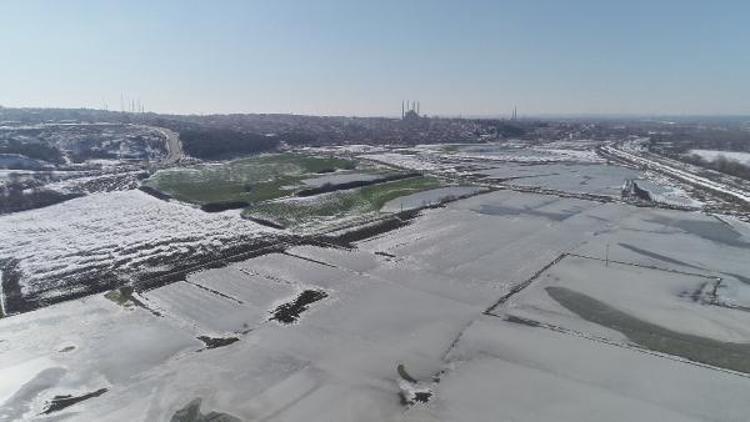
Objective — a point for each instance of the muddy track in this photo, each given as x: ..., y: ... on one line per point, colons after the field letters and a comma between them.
x: 174, y: 145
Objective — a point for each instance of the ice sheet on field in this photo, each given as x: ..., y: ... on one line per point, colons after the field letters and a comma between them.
x: 204, y: 310
x: 428, y: 197
x: 287, y: 269
x: 353, y: 260
x: 595, y: 179
x: 501, y: 368
x: 658, y: 297
x: 249, y: 288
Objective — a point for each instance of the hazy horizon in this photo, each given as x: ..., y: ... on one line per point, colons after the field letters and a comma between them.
x: 581, y: 58
x: 540, y: 116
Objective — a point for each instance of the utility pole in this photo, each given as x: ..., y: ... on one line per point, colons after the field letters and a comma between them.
x: 606, y: 256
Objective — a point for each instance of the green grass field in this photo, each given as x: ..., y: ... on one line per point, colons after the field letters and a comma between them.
x: 268, y: 184
x: 251, y: 180
x: 338, y: 204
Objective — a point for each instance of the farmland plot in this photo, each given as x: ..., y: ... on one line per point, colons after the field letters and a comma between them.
x: 498, y: 306
x: 108, y: 237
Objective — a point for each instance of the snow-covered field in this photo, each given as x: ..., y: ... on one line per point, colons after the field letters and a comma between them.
x: 505, y: 371
x: 711, y: 155
x: 115, y: 231
x: 505, y: 305
x: 413, y: 298
x: 405, y: 161
x: 554, y: 152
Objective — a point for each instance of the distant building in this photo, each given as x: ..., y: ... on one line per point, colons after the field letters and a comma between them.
x: 631, y: 190
x: 409, y: 110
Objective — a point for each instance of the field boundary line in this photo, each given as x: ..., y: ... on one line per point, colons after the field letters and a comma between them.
x: 519, y: 287
x: 628, y: 346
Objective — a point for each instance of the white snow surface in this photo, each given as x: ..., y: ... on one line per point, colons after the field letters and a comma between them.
x: 411, y: 162
x: 101, y: 229
x: 711, y: 155
x: 415, y: 296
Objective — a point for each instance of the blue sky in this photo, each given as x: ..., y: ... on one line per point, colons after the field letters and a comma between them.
x: 363, y: 57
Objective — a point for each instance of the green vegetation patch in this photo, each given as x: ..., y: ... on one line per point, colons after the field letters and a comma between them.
x: 291, y: 212
x: 122, y: 296
x: 250, y: 180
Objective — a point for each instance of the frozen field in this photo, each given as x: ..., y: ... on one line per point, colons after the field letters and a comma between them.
x: 506, y: 371
x: 524, y: 154
x: 596, y: 179
x: 495, y: 307
x: 428, y: 197
x: 572, y: 167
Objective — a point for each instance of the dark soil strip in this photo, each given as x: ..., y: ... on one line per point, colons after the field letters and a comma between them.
x: 215, y: 292
x: 264, y: 222
x: 34, y: 200
x: 385, y: 254
x: 155, y: 193
x: 214, y: 342
x: 223, y: 206
x: 290, y: 312
x: 61, y: 402
x: 697, y: 293
x: 330, y: 187
x: 11, y: 288
x: 89, y: 285
x: 192, y: 413
x: 304, y: 258
x: 734, y: 356
x: 405, y: 375
x: 518, y: 287
x: 371, y: 230
x: 524, y: 321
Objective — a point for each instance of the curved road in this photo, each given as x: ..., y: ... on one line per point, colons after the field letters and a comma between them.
x: 174, y: 145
